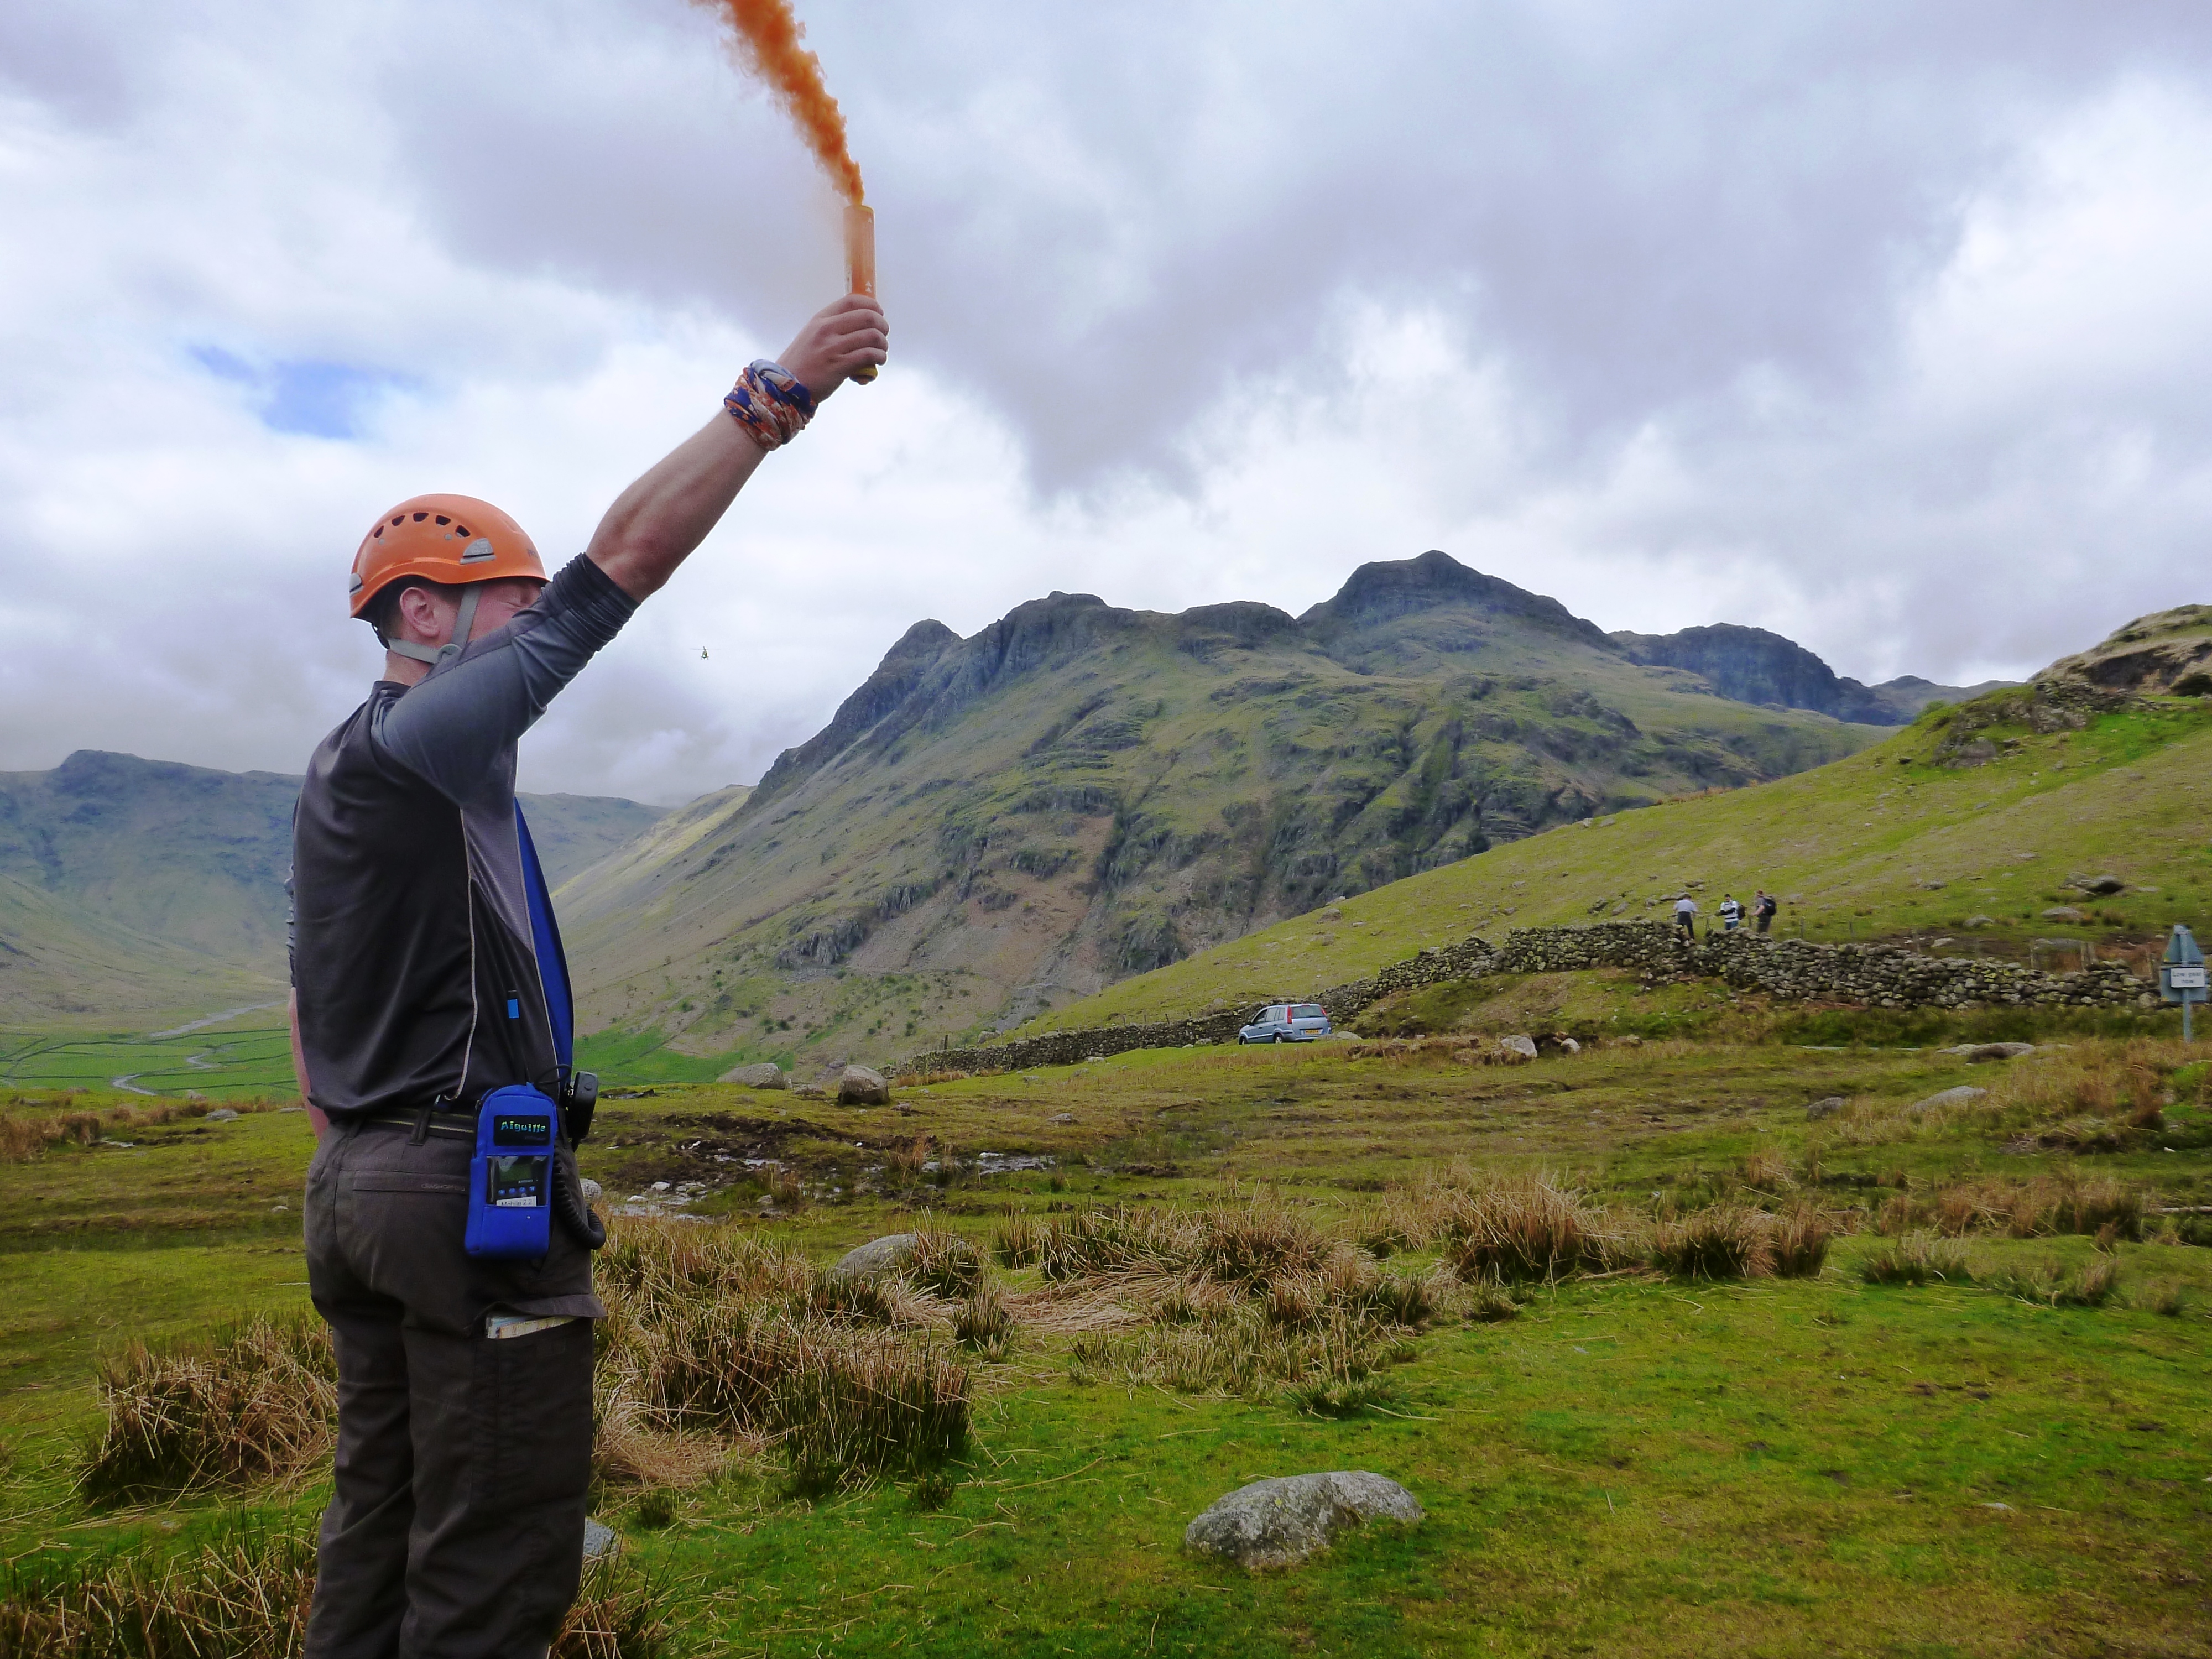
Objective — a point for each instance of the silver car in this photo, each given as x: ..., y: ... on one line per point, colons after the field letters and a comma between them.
x: 1287, y: 1022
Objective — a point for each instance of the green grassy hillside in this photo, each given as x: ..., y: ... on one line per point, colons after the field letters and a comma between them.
x: 148, y: 892
x: 1080, y: 793
x: 1918, y: 837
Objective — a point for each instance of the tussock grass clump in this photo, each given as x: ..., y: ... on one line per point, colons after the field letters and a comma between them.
x: 943, y: 1263
x: 1917, y: 1261
x: 1109, y: 1240
x: 1731, y: 1241
x: 248, y: 1596
x: 2055, y: 1285
x: 984, y: 1322
x: 711, y: 1332
x: 1017, y: 1241
x: 1722, y: 1242
x: 253, y: 1403
x: 2166, y: 1297
x: 1527, y: 1227
x: 2067, y: 1202
x: 1801, y: 1239
x: 851, y: 1407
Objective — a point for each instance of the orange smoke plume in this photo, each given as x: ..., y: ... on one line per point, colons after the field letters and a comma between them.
x: 773, y: 42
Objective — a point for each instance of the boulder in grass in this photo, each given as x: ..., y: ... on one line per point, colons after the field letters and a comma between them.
x: 2102, y: 886
x: 863, y: 1085
x: 1516, y: 1049
x: 2064, y: 913
x: 1964, y: 1095
x: 765, y: 1075
x: 220, y: 1115
x: 1828, y: 1108
x: 1279, y: 1522
x: 879, y: 1258
x: 1978, y: 1052
x: 599, y: 1540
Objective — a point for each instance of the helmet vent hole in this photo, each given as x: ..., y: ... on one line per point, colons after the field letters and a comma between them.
x: 400, y: 518
x: 419, y: 516
x: 379, y: 530
x: 443, y: 518
x: 460, y: 530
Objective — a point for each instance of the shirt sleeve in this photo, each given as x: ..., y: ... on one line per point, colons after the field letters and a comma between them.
x: 457, y: 729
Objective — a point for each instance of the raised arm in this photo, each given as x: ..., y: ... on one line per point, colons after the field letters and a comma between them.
x: 656, y: 523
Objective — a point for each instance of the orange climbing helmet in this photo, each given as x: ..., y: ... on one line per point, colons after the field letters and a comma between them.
x: 455, y: 539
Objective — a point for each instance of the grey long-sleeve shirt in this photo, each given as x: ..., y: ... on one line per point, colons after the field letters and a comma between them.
x: 411, y: 948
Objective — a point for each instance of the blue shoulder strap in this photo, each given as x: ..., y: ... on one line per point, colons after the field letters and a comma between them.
x: 545, y: 939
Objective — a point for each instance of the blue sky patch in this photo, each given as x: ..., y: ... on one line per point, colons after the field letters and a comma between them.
x: 307, y: 395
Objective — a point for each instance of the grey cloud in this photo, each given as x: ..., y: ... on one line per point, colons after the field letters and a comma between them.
x: 1685, y: 261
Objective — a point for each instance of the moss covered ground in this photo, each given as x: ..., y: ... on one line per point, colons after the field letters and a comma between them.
x: 1633, y: 1463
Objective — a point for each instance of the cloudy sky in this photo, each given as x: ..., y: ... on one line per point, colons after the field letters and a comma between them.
x: 1885, y: 326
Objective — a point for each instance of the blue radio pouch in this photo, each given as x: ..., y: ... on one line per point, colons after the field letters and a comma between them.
x: 511, y: 1177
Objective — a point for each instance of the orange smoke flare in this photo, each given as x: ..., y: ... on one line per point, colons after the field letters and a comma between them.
x: 772, y: 41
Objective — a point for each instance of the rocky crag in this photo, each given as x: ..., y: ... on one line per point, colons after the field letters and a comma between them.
x: 1753, y: 665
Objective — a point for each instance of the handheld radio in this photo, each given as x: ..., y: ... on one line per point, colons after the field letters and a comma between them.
x: 511, y: 1176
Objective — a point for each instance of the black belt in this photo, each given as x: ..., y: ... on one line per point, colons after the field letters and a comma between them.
x: 458, y: 1125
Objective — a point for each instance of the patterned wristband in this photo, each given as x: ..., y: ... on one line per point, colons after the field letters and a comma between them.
x: 771, y: 406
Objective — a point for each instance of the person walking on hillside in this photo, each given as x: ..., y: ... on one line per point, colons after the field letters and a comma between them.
x: 1685, y: 915
x: 427, y: 974
x: 1762, y: 910
x: 1731, y: 914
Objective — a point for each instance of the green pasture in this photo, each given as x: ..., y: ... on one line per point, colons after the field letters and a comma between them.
x: 1632, y: 1464
x: 248, y: 1055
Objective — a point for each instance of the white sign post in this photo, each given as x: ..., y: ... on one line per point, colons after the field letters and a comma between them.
x: 2181, y: 976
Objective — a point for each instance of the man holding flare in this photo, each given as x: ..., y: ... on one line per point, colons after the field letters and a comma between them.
x: 427, y: 977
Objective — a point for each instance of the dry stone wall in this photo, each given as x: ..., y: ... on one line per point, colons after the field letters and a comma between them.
x: 1875, y: 975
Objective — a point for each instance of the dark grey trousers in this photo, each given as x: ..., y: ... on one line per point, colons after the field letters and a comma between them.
x: 457, y: 1529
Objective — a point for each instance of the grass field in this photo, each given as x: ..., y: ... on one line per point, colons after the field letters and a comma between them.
x: 1635, y: 1462
x: 246, y: 1053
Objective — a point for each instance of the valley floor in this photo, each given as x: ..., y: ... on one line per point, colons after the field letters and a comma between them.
x: 1633, y: 1463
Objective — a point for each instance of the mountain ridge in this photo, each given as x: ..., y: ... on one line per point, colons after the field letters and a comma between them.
x: 1079, y: 791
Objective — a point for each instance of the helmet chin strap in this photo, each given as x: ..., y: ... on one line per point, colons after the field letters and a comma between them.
x: 463, y: 621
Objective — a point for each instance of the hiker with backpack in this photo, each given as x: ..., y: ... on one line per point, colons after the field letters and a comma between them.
x: 449, y: 1241
x: 1762, y: 910
x: 1731, y: 914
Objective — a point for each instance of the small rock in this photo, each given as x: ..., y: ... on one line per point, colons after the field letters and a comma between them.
x: 1828, y: 1108
x: 809, y: 1092
x: 1279, y: 1522
x: 660, y: 1187
x: 766, y: 1075
x: 879, y: 1258
x: 1523, y: 1046
x: 863, y: 1085
x: 220, y: 1115
x: 592, y: 1192
x: 1979, y: 922
x: 2103, y: 886
x: 2064, y: 913
x: 1964, y: 1095
x: 1061, y: 1117
x: 1569, y: 1046
x: 599, y: 1540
